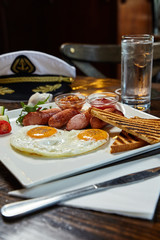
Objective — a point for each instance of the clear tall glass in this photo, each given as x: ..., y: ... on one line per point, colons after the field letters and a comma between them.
x: 136, y: 70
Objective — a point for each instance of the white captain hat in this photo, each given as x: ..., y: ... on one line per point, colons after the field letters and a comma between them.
x: 23, y: 73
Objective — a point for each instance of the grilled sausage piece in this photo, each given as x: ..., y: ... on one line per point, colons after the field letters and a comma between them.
x: 39, y: 117
x: 79, y: 121
x: 118, y: 112
x: 60, y: 119
x: 98, y: 123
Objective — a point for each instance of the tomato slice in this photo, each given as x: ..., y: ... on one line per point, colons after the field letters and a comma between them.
x: 5, y: 127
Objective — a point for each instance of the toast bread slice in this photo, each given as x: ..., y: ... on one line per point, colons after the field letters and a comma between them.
x: 126, y: 141
x: 145, y: 129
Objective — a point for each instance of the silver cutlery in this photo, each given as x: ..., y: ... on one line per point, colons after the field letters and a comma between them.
x: 25, y: 207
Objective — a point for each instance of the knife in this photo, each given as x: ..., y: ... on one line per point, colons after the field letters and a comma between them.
x: 22, y: 208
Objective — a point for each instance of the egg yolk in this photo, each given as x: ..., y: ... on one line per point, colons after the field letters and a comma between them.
x: 41, y: 132
x: 93, y: 134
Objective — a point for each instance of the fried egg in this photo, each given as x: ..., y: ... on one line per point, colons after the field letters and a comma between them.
x: 51, y: 142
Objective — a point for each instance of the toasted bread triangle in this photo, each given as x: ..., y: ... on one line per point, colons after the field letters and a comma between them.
x: 145, y: 129
x: 126, y: 141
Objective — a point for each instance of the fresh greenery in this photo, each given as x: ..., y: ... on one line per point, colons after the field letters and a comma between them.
x: 27, y: 109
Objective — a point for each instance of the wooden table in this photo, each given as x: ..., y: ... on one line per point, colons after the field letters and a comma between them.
x: 73, y: 223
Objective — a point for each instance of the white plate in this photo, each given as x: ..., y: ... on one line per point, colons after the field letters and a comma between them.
x: 30, y: 170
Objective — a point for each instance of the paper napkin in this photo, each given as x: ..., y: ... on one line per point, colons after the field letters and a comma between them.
x: 134, y: 200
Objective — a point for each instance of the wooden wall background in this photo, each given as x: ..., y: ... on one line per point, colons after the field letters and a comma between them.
x: 43, y: 25
x: 134, y: 16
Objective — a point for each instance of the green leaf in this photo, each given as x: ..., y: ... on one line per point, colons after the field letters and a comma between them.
x: 27, y: 109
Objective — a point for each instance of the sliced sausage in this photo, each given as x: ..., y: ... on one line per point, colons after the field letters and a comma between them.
x: 52, y: 111
x: 118, y: 112
x: 60, y: 119
x: 98, y: 123
x: 78, y: 122
x: 39, y: 117
x: 110, y: 109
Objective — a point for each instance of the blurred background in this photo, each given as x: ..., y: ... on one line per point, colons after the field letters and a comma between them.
x: 43, y: 25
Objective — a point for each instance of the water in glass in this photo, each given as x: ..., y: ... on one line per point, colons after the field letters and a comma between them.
x: 136, y: 71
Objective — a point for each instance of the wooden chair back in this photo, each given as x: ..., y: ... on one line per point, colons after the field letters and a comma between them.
x: 83, y: 56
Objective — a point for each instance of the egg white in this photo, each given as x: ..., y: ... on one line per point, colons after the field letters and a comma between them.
x: 61, y: 144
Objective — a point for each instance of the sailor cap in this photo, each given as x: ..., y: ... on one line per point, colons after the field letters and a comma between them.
x: 24, y: 73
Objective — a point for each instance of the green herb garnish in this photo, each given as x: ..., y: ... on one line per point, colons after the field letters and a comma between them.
x: 27, y: 109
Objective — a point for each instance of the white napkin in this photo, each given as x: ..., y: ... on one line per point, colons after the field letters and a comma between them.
x: 36, y: 97
x: 134, y: 200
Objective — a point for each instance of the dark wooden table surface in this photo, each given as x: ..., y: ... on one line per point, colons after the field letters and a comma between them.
x: 73, y: 223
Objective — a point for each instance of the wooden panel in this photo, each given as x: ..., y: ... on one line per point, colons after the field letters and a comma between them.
x: 134, y: 17
x: 45, y: 24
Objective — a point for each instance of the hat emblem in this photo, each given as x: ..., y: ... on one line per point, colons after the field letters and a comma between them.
x: 22, y: 65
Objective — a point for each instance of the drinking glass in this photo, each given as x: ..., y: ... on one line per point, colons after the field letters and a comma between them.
x: 136, y: 70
